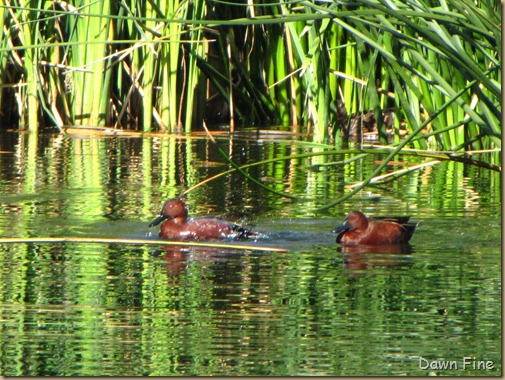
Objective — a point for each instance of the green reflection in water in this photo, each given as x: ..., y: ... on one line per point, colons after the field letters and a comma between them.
x: 92, y: 309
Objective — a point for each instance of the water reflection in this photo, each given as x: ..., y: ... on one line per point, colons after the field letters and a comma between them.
x: 177, y: 258
x: 116, y: 309
x: 362, y: 257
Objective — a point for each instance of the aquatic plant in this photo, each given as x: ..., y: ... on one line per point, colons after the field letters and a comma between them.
x: 138, y: 65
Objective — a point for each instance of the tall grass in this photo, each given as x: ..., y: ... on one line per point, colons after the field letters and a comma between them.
x: 90, y: 88
x: 142, y: 66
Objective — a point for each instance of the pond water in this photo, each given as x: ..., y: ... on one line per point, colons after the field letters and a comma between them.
x: 79, y: 308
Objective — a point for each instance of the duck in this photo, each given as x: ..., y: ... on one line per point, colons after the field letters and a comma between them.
x: 178, y: 226
x: 357, y: 229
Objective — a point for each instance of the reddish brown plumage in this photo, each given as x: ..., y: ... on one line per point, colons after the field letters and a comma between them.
x: 358, y: 230
x: 177, y: 226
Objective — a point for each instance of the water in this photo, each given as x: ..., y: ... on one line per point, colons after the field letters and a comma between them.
x: 316, y: 309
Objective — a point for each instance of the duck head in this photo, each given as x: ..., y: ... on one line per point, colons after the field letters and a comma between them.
x: 172, y: 209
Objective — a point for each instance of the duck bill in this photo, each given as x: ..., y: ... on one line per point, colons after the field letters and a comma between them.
x: 341, y: 231
x: 343, y: 227
x: 158, y: 220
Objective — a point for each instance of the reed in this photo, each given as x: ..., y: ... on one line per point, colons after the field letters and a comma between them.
x: 89, y: 93
x: 142, y: 66
x: 22, y: 22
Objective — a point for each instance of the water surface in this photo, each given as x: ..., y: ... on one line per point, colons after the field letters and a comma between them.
x: 126, y: 310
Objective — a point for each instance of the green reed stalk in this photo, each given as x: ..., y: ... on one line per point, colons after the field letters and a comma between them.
x: 29, y: 35
x: 4, y: 45
x: 314, y: 72
x: 170, y: 65
x: 149, y: 62
x: 277, y: 74
x: 197, y: 48
x: 90, y: 88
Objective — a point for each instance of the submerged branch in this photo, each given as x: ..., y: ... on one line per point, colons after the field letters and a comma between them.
x: 138, y: 241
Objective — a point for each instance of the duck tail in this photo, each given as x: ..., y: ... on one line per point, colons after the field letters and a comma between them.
x: 240, y: 232
x: 410, y: 228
